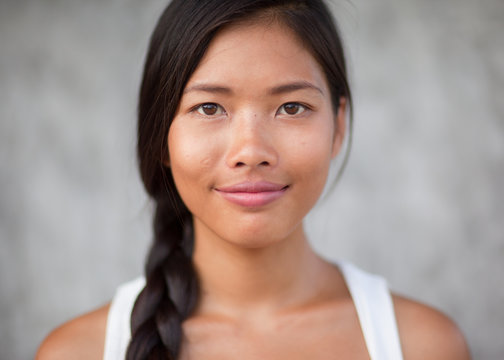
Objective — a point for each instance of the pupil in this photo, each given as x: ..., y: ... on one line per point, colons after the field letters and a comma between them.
x: 291, y: 109
x: 209, y: 109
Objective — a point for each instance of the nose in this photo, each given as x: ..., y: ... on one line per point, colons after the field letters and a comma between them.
x: 250, y: 143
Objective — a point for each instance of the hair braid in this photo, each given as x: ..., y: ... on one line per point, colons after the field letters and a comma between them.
x: 170, y: 293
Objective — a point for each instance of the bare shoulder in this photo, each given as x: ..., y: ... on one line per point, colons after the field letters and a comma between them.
x: 427, y: 333
x: 80, y: 338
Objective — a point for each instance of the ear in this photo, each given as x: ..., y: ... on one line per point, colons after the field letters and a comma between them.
x: 340, y: 127
x: 166, y: 158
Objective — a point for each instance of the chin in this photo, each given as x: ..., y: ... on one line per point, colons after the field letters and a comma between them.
x: 258, y: 236
x: 256, y: 242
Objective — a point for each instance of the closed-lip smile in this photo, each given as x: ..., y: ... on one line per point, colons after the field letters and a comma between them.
x: 252, y: 194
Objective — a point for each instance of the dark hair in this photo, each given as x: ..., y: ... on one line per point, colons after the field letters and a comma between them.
x: 179, y: 41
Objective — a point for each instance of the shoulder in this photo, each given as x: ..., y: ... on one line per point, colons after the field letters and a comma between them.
x: 426, y: 333
x: 80, y: 338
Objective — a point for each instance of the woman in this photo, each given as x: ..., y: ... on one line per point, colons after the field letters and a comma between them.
x: 242, y: 108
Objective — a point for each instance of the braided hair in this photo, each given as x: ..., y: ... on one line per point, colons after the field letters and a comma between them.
x: 178, y: 43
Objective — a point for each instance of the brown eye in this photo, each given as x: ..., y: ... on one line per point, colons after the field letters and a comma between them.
x: 291, y: 109
x: 209, y: 109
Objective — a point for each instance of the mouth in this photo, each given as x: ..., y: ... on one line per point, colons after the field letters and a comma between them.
x: 252, y: 194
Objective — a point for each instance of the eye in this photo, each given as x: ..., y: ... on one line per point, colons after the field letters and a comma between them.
x: 291, y: 108
x: 209, y: 109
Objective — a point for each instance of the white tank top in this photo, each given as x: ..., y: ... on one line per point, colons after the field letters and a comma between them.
x: 369, y: 292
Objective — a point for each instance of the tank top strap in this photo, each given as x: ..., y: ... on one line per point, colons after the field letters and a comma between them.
x: 118, y: 332
x: 375, y: 310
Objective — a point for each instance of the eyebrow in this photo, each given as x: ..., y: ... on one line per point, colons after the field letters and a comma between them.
x: 209, y: 88
x: 294, y: 86
x: 276, y: 90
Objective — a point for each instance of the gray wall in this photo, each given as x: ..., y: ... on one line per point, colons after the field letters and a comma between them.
x: 421, y: 201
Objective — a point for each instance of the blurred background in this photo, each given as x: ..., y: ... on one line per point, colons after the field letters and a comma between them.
x: 421, y: 202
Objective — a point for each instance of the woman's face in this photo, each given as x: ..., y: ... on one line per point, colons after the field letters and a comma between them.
x: 252, y: 140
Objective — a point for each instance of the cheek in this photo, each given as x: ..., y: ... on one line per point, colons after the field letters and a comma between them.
x: 311, y: 154
x: 313, y: 164
x: 191, y: 158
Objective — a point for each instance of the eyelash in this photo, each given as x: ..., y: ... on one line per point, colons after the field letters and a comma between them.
x: 300, y: 106
x: 220, y: 110
x: 199, y: 107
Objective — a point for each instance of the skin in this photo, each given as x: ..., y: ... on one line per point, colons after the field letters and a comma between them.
x: 265, y: 293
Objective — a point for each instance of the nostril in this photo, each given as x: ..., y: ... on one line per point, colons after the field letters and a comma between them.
x: 241, y: 163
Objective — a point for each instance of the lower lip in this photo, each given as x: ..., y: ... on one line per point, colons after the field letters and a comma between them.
x: 253, y: 199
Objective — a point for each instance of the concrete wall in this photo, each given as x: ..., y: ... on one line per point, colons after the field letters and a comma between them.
x: 421, y: 201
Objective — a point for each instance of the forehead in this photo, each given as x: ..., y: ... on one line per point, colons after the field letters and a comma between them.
x: 261, y: 53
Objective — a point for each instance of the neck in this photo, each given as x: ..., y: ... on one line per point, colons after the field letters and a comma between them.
x: 235, y: 280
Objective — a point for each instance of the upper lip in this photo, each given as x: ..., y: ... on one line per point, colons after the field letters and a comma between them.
x: 252, y: 187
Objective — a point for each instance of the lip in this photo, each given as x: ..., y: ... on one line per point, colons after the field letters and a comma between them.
x: 252, y: 194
